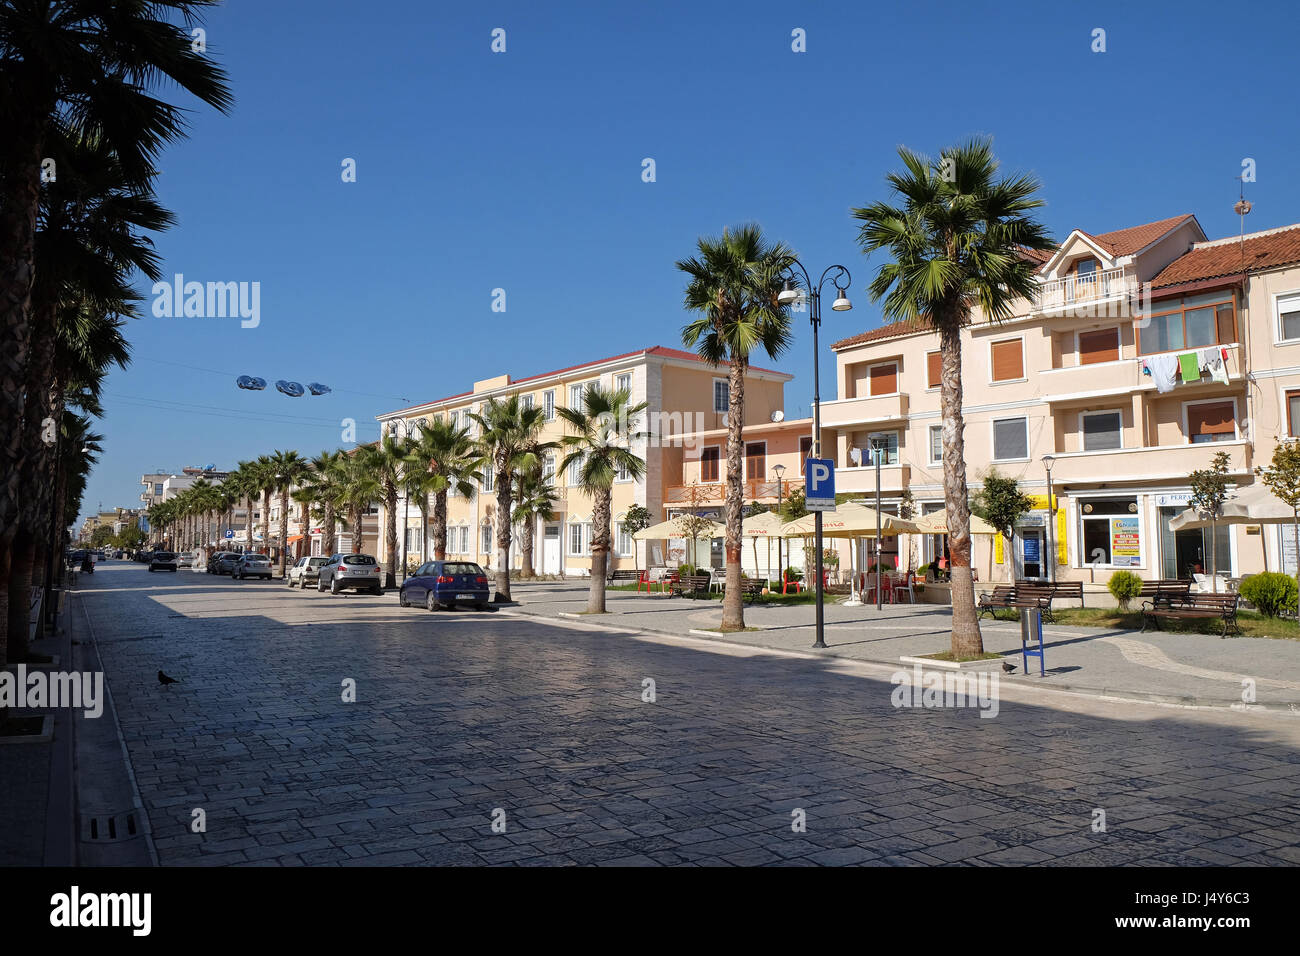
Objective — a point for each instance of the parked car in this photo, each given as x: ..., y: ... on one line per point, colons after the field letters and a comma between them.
x: 251, y: 566
x: 307, y: 569
x: 223, y: 562
x: 163, y: 561
x: 446, y: 583
x: 358, y: 571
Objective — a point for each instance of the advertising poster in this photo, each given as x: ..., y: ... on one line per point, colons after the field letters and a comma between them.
x: 1125, y: 542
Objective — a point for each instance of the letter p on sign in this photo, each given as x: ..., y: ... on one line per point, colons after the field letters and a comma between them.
x: 821, y: 484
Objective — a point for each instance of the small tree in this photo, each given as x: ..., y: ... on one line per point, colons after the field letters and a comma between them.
x: 1002, y: 504
x: 1283, y: 479
x: 1209, y: 492
x: 906, y: 509
x: 692, y: 523
x: 1124, y: 586
x: 636, y: 519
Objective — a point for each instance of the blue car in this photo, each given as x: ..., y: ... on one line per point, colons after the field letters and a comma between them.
x: 446, y: 584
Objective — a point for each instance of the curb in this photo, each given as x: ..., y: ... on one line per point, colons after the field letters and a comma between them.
x: 1073, y: 690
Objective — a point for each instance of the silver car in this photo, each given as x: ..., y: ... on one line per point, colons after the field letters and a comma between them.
x: 358, y: 571
x: 307, y: 569
x: 252, y: 566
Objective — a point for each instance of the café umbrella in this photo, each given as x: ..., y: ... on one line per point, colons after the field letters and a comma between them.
x: 1254, y: 504
x: 850, y: 521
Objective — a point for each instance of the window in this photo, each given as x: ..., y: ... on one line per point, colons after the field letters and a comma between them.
x: 575, y: 396
x: 1008, y: 360
x: 933, y: 369
x: 1102, y: 430
x: 936, y: 444
x: 884, y: 443
x: 548, y: 404
x: 621, y: 473
x: 756, y: 460
x: 576, y: 539
x: 1010, y: 439
x: 1288, y: 318
x: 710, y: 458
x: 625, y: 542
x: 1189, y: 323
x: 453, y: 419
x: 1211, y: 422
x: 527, y: 402
x: 487, y: 539
x: 623, y: 383
x: 1293, y: 414
x: 575, y: 471
x: 1101, y: 345
x: 548, y: 466
x: 489, y: 479
x: 805, y: 452
x: 464, y: 540
x: 883, y: 379
x: 721, y: 396
x: 414, y: 542
x: 1111, y: 532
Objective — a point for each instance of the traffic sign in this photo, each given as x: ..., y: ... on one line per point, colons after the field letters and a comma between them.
x: 230, y: 532
x: 820, y: 492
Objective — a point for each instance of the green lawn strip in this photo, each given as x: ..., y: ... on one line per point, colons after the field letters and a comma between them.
x: 1252, y: 623
x: 948, y: 656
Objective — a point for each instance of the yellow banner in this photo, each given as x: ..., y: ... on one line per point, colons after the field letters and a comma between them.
x: 997, y: 549
x: 1040, y: 502
x: 1062, y: 552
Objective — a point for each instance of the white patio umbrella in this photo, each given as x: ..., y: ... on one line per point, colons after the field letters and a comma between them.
x: 850, y: 521
x: 673, y: 528
x: 767, y: 526
x: 1254, y: 504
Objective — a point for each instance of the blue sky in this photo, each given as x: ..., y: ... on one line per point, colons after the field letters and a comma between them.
x: 522, y: 171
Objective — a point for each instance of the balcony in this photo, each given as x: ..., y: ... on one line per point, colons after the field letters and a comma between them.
x: 1086, y: 295
x: 1085, y: 382
x: 862, y: 479
x: 1156, y: 462
x: 869, y: 410
x: 716, y: 492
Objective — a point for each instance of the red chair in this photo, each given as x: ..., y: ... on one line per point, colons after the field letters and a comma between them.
x: 787, y: 583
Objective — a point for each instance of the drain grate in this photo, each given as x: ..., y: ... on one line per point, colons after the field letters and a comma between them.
x: 104, y: 828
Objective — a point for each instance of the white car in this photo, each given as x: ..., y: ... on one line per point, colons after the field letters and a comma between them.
x: 163, y: 561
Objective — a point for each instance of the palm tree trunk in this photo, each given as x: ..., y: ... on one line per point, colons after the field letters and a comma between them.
x: 248, y: 524
x: 327, y: 532
x: 733, y: 614
x: 503, y: 535
x: 390, y: 534
x: 440, y: 526
x: 599, y: 551
x: 306, y: 529
x: 355, y: 511
x: 266, y: 521
x: 966, y: 638
x: 424, y: 528
x: 284, y: 526
x: 526, y: 546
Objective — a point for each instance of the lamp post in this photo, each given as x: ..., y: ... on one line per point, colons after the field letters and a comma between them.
x: 780, y: 494
x: 788, y: 296
x: 1048, y: 461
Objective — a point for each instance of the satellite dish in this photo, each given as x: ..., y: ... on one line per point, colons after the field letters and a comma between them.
x: 317, y: 388
x: 778, y: 416
x: 292, y: 389
x: 251, y: 382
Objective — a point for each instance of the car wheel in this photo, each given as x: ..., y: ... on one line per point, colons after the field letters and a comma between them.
x: 481, y: 606
x: 288, y: 580
x: 377, y: 591
x: 304, y: 582
x: 152, y: 569
x: 320, y: 585
x: 334, y: 586
x: 431, y: 602
x: 401, y: 598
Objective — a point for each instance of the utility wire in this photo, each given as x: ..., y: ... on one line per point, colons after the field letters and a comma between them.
x: 214, y: 371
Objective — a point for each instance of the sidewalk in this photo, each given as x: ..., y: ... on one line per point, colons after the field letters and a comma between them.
x: 1189, y: 669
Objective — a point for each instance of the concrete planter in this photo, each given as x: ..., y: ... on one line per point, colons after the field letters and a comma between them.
x: 932, y: 664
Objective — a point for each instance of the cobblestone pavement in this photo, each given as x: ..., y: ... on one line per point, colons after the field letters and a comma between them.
x: 462, y: 714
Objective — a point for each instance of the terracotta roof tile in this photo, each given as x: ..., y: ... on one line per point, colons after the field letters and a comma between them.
x: 1230, y: 257
x: 1125, y: 242
x: 892, y: 331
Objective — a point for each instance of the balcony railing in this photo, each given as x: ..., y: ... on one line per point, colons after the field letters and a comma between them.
x: 1084, y: 293
x: 713, y: 493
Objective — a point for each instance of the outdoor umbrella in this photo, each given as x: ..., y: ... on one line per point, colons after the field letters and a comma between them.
x: 937, y: 523
x: 1254, y: 504
x: 672, y: 528
x: 849, y: 520
x: 766, y: 525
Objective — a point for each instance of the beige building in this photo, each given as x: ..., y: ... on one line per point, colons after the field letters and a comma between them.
x: 1146, y: 351
x: 685, y: 397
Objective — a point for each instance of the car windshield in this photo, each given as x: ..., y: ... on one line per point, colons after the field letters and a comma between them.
x: 164, y: 554
x: 461, y: 567
x: 358, y: 559
x: 317, y: 562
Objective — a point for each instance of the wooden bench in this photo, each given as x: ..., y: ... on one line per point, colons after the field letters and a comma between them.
x: 624, y: 575
x: 1222, y: 606
x: 1002, y: 596
x: 693, y: 583
x: 1164, y: 589
x: 1021, y: 596
x: 751, y: 588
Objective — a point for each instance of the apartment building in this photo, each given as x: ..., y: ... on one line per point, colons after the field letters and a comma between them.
x: 1143, y: 353
x: 685, y: 396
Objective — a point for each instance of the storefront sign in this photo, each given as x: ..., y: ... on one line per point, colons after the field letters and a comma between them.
x: 1125, y: 542
x: 1031, y: 545
x: 1179, y: 500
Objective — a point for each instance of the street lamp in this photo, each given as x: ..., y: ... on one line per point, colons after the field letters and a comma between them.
x: 780, y: 496
x: 1048, y: 461
x: 788, y: 296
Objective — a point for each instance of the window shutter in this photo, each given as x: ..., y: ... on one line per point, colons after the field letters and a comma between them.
x: 884, y: 379
x: 933, y: 370
x: 1099, y: 346
x: 1211, y: 418
x: 1008, y: 361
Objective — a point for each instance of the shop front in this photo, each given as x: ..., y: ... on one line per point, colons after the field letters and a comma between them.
x: 1187, y: 552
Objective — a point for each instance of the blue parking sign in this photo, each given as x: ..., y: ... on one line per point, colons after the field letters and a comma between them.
x: 819, y: 474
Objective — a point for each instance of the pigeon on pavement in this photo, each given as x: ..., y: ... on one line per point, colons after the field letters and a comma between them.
x: 165, y: 680
x: 1008, y: 667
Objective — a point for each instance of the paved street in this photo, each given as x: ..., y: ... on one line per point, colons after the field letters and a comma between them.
x: 463, y: 716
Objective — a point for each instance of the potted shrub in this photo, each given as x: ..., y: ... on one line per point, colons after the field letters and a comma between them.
x: 1124, y: 586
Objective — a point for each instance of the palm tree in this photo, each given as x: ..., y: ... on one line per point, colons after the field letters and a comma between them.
x: 602, y: 431
x: 324, y: 484
x: 263, y: 471
x: 288, y: 468
x: 203, y: 499
x: 358, y: 490
x: 733, y: 286
x: 384, y: 460
x: 91, y: 65
x: 450, y: 457
x: 958, y: 235
x: 246, y: 484
x: 507, y: 442
x: 305, y: 497
x: 535, y: 498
